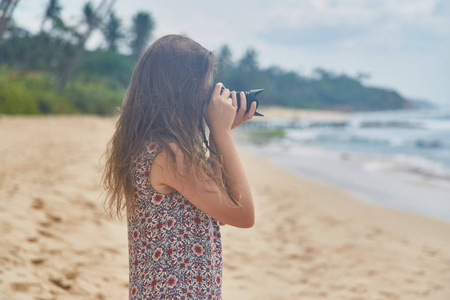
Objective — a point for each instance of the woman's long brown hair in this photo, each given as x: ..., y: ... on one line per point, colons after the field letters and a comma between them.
x: 170, y: 86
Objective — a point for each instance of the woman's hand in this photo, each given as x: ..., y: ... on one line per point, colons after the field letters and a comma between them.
x: 241, y: 116
x: 220, y: 111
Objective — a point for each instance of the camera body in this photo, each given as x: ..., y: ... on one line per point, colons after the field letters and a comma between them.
x: 250, y: 96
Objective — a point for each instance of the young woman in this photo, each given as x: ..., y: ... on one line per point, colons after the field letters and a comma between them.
x: 159, y: 170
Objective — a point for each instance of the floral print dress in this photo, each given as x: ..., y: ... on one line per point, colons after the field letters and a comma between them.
x: 175, y: 249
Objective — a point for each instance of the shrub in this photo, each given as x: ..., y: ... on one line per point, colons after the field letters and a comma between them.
x: 33, y: 93
x: 94, y: 97
x: 14, y: 99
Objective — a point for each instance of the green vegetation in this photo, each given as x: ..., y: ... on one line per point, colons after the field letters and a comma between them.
x: 94, y: 97
x: 269, y: 134
x: 52, y: 72
x: 325, y: 90
x: 33, y: 93
x: 261, y: 136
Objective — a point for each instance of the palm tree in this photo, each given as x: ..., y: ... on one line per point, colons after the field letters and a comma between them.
x: 92, y: 19
x: 90, y: 16
x: 112, y: 32
x: 143, y: 26
x: 52, y: 13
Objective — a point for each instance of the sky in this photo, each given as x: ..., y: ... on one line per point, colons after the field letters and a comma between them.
x: 403, y: 44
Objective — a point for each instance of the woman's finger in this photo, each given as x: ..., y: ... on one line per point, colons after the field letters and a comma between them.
x: 234, y: 98
x: 217, y: 88
x: 243, y: 104
x: 251, y: 111
x: 226, y: 93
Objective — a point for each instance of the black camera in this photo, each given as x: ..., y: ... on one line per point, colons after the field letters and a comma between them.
x: 250, y: 96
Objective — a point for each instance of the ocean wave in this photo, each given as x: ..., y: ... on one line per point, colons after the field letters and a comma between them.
x: 417, y: 133
x: 314, y: 137
x: 389, y: 124
x: 430, y: 144
x: 409, y: 164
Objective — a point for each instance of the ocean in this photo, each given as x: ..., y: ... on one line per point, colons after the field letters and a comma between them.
x: 399, y: 159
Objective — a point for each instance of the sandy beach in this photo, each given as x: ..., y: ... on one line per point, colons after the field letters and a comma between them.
x: 310, y: 241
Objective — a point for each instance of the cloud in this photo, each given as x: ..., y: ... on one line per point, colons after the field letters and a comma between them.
x: 318, y: 36
x: 442, y: 8
x: 360, y: 25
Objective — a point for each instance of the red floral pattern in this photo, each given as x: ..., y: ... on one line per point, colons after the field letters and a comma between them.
x: 175, y: 249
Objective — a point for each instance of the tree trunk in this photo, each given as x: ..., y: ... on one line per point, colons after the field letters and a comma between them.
x: 101, y: 13
x: 6, y: 10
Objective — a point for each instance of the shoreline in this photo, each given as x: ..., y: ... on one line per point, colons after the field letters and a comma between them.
x: 310, y: 240
x: 372, y: 179
x: 385, y: 176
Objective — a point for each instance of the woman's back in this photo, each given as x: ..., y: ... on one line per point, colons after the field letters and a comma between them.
x: 175, y: 249
x: 174, y: 209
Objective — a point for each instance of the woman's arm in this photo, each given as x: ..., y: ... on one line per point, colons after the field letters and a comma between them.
x: 240, y: 117
x: 203, y: 192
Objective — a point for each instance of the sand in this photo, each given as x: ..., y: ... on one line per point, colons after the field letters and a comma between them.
x: 310, y: 241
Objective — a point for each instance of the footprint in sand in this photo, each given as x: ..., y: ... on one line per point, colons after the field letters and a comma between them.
x: 60, y: 282
x: 38, y: 203
x: 33, y: 239
x: 38, y: 261
x: 48, y: 234
x: 65, y: 280
x: 53, y: 218
x: 358, y: 289
x: 430, y: 251
x: 20, y: 286
x: 389, y: 295
x: 13, y: 190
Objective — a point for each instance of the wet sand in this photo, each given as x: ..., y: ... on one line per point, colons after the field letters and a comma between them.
x: 310, y: 241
